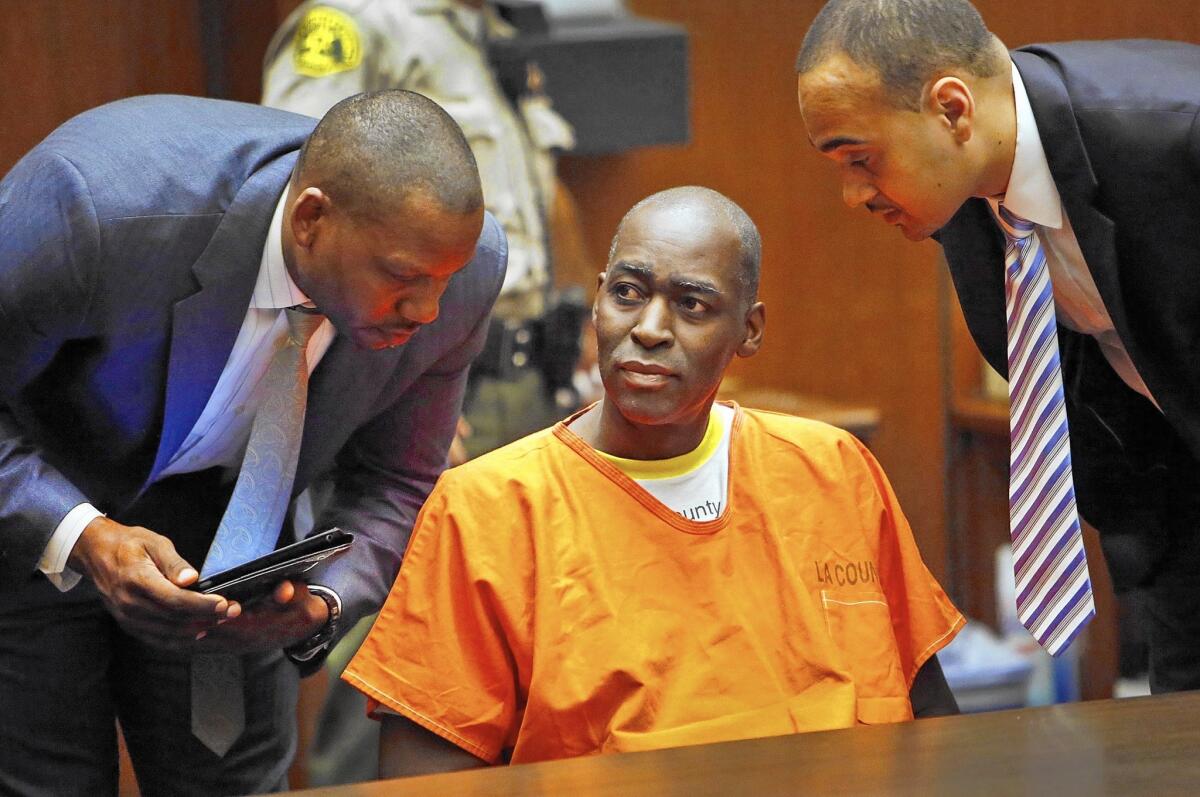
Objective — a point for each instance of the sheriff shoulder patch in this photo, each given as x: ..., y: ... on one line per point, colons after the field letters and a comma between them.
x: 326, y: 42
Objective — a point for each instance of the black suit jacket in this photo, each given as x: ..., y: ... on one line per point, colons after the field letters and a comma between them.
x: 1120, y: 125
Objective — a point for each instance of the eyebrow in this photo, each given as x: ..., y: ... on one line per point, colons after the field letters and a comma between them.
x: 698, y: 286
x: 398, y: 266
x: 840, y: 141
x: 637, y: 269
x: 647, y: 275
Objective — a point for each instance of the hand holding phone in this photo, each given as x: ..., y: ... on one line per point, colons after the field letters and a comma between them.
x: 258, y: 577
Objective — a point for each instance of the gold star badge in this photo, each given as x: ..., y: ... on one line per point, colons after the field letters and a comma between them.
x: 326, y: 42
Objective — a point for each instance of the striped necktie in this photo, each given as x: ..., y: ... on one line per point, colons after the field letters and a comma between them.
x: 252, y: 520
x: 1054, y: 593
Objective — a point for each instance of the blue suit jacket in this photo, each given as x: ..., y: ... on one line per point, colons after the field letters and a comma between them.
x: 130, y: 240
x: 1120, y: 125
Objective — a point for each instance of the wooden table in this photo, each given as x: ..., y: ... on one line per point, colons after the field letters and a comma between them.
x: 1139, y: 746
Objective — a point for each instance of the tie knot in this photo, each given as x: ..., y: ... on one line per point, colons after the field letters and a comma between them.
x: 1015, y: 227
x: 302, y: 323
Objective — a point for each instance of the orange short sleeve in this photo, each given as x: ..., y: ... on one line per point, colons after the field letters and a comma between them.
x: 436, y: 654
x: 922, y: 617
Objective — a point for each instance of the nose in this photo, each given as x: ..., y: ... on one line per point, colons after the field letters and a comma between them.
x: 653, y: 328
x: 856, y: 190
x: 422, y: 306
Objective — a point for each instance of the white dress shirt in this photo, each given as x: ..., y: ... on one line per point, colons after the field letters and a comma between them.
x: 220, y: 434
x: 1033, y: 196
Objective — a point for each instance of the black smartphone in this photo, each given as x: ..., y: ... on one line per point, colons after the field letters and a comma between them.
x: 256, y: 578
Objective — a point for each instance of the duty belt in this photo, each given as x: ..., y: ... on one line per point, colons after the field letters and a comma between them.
x: 509, y: 349
x: 549, y: 343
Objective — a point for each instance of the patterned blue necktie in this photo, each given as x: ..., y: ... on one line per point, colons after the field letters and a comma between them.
x: 250, y: 526
x: 1054, y: 593
x: 252, y: 520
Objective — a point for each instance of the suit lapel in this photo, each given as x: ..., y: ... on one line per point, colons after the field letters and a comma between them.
x: 206, y: 324
x: 1077, y: 186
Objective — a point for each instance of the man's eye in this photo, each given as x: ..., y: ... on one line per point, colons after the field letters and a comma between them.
x: 623, y: 290
x: 692, y: 304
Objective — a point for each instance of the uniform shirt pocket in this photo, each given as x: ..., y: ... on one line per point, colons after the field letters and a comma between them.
x: 860, y: 624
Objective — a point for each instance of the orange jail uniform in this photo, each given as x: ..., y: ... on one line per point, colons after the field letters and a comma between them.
x: 549, y: 607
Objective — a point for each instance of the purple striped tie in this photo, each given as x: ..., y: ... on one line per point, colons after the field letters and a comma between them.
x: 1054, y: 593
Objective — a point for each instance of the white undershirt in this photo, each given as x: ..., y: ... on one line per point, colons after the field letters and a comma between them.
x: 220, y: 433
x: 697, y: 490
x: 1033, y: 196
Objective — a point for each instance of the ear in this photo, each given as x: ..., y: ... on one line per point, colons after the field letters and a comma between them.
x: 954, y: 104
x: 596, y: 298
x: 756, y: 324
x: 306, y: 213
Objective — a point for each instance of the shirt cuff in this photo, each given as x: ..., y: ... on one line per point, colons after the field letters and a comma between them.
x: 54, y: 559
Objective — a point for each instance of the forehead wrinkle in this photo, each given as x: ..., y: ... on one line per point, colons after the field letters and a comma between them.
x: 842, y: 75
x: 842, y: 88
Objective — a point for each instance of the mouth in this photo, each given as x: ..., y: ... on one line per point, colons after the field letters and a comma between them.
x: 649, y: 369
x: 895, y: 217
x: 380, y: 338
x: 889, y: 215
x: 641, y: 374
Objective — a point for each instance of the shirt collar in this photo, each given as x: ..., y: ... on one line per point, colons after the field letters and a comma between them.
x: 1031, y: 192
x: 275, y: 289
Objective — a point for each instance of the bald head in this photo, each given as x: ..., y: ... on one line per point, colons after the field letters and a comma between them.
x: 371, y: 152
x: 905, y: 42
x: 708, y: 207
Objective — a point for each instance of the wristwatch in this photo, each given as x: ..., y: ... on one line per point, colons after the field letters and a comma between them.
x: 305, y: 649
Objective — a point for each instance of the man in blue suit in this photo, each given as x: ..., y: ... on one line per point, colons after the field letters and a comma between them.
x: 148, y: 249
x: 935, y: 126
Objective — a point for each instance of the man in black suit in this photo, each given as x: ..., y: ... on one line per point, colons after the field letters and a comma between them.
x: 934, y: 125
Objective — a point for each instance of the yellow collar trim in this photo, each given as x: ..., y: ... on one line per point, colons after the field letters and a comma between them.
x: 643, y: 469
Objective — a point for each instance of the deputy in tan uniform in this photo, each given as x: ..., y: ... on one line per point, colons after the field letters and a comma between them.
x: 328, y: 50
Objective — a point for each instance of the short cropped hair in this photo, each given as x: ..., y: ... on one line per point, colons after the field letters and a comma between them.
x: 371, y: 151
x: 750, y: 251
x: 905, y: 41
